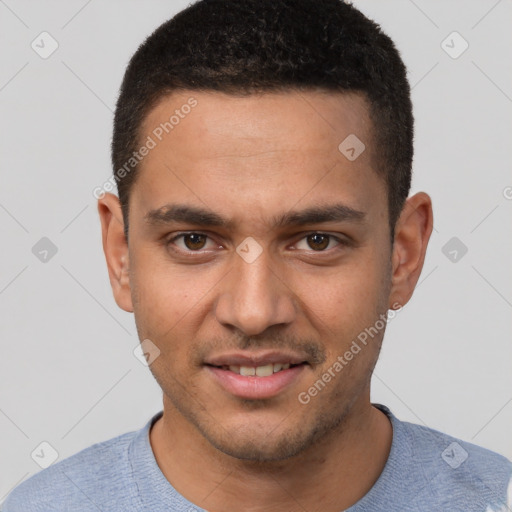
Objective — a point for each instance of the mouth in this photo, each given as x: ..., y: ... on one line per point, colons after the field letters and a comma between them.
x: 257, y: 371
x: 256, y: 376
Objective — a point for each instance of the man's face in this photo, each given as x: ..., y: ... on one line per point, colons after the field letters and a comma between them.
x: 297, y: 292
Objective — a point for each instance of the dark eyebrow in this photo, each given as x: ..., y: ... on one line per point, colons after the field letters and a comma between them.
x: 203, y: 217
x: 317, y: 215
x: 186, y: 214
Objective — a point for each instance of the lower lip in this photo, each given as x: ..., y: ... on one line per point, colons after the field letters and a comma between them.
x: 256, y: 387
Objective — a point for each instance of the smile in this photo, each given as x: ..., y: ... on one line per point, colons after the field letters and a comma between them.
x: 256, y: 382
x: 257, y: 371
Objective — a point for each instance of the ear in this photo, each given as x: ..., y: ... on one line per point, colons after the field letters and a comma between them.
x: 115, y: 248
x: 412, y: 233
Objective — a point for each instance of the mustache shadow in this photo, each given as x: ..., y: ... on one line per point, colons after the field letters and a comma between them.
x: 310, y: 350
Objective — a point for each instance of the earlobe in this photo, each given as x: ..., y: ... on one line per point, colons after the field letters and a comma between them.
x: 412, y: 233
x: 115, y: 248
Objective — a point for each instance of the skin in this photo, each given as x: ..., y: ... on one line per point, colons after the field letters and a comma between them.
x: 250, y: 159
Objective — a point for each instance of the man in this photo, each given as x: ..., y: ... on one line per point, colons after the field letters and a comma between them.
x: 262, y: 151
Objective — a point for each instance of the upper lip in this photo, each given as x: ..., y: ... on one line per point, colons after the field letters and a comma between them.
x: 255, y: 358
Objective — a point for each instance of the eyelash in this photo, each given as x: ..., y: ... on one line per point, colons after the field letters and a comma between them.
x: 169, y: 242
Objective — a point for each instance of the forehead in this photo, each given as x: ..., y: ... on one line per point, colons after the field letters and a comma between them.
x: 292, y: 120
x: 257, y: 152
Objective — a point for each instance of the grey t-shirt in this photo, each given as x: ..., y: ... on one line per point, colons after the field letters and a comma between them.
x: 425, y: 471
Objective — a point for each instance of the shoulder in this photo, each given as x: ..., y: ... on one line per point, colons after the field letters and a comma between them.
x: 80, y: 482
x: 458, y: 472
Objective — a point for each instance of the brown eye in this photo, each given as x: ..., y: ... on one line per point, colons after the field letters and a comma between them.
x: 194, y: 241
x: 318, y: 242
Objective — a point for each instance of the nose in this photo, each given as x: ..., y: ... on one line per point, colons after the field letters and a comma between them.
x: 254, y: 296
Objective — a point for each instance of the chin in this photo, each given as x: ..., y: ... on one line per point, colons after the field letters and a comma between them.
x: 266, y: 442
x: 260, y: 450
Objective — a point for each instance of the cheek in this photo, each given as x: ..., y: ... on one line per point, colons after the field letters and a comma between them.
x: 346, y: 299
x: 170, y: 306
x: 163, y: 307
x: 166, y: 294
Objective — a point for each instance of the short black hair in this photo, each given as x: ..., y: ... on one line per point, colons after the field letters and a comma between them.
x: 252, y: 46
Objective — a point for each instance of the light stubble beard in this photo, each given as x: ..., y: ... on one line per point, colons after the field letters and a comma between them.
x: 260, y: 446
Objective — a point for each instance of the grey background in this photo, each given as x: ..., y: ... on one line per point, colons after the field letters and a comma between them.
x: 68, y: 373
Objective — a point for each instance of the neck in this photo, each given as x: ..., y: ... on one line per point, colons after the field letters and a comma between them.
x: 330, y: 476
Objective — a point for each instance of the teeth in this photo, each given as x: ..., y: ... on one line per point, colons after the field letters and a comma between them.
x: 265, y: 371
x: 259, y: 371
x: 247, y: 371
